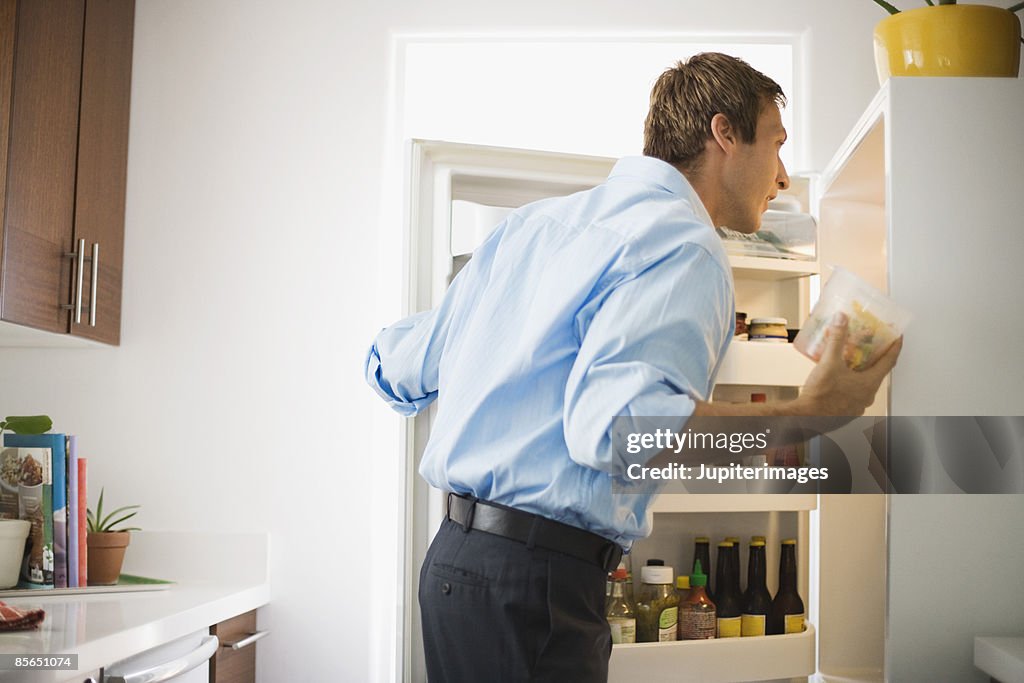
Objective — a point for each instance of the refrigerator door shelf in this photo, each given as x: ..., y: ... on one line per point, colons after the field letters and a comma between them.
x: 724, y: 660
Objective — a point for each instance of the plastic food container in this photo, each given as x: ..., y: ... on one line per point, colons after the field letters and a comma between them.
x: 875, y: 320
x: 768, y: 330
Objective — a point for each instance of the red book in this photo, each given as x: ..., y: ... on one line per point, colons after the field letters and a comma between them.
x: 83, y: 526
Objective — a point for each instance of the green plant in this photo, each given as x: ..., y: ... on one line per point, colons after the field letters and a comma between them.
x: 27, y: 424
x: 893, y: 10
x: 99, y: 524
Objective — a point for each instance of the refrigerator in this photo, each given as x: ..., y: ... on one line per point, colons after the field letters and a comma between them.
x: 879, y: 214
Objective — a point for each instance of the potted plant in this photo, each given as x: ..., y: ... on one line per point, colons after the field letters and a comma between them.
x: 107, y: 544
x: 947, y: 39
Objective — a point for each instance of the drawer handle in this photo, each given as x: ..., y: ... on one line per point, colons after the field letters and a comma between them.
x: 172, y: 669
x: 244, y: 642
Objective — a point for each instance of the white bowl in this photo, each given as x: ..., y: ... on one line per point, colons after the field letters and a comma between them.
x: 13, y: 533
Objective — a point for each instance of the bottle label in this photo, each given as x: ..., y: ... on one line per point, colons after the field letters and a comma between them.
x: 794, y: 623
x: 697, y: 625
x: 729, y: 627
x: 668, y: 624
x: 623, y: 630
x: 752, y: 625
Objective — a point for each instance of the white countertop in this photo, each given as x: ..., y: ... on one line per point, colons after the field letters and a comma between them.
x: 1000, y: 658
x: 217, y: 576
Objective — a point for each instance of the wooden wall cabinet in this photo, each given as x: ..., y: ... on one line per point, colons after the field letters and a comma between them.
x: 65, y: 81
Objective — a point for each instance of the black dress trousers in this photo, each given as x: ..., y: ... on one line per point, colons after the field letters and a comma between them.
x: 495, y: 610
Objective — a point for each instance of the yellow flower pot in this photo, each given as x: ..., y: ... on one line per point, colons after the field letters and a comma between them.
x: 948, y: 40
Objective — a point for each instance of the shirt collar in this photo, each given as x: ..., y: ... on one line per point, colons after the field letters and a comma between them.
x: 665, y: 176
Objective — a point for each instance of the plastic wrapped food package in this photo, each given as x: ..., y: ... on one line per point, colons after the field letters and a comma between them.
x: 875, y: 320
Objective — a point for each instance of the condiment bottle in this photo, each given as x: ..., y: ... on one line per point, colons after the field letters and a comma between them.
x: 757, y: 601
x: 658, y: 607
x: 697, y: 613
x: 787, y: 612
x: 621, y: 612
x: 702, y: 552
x: 727, y: 598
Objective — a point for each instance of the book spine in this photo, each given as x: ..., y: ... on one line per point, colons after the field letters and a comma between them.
x: 73, y: 511
x: 83, y: 523
x: 60, y: 513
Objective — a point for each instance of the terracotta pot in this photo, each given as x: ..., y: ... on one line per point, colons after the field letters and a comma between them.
x: 948, y: 40
x: 106, y: 554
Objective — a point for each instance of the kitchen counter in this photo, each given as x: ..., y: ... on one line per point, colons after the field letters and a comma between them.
x: 217, y: 576
x: 1000, y: 658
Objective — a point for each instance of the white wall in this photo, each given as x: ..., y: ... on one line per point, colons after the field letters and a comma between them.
x: 258, y: 268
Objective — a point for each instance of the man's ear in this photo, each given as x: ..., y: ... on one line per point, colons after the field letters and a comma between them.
x: 723, y: 133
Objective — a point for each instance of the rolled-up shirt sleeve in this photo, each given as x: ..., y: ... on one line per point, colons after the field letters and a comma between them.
x: 650, y: 347
x: 402, y: 363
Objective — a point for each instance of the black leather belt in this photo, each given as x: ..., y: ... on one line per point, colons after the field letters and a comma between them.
x: 533, y: 530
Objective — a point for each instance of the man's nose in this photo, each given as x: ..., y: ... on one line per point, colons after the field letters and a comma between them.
x: 782, y: 179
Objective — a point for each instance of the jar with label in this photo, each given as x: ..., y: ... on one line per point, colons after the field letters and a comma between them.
x: 769, y: 330
x: 621, y: 612
x: 658, y: 607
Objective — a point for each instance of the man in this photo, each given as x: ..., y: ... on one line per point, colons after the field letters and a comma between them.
x: 575, y: 310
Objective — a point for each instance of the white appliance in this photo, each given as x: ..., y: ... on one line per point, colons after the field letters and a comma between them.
x: 880, y: 215
x: 185, y: 660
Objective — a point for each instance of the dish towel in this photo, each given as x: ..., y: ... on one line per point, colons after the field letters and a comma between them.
x: 14, y: 619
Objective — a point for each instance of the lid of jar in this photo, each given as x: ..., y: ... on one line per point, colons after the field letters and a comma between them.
x: 651, y: 574
x: 683, y: 583
x: 768, y: 321
x: 655, y: 563
x: 741, y: 314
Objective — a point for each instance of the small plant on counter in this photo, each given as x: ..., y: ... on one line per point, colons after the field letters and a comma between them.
x: 106, y: 544
x: 26, y: 424
x: 98, y: 524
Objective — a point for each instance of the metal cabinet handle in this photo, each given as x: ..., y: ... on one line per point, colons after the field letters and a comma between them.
x: 77, y: 306
x: 168, y: 670
x: 244, y: 642
x: 95, y: 276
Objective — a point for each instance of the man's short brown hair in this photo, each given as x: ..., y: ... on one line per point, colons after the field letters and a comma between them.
x: 687, y: 96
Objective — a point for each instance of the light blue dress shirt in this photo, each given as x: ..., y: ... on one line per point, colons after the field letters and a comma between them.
x: 615, y: 301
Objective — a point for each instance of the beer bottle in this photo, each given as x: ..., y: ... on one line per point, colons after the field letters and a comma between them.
x: 702, y: 554
x: 757, y: 600
x: 736, y: 566
x: 787, y: 612
x: 727, y: 599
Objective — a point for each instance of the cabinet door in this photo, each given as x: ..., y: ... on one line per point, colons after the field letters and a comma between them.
x: 42, y: 155
x: 102, y: 163
x: 230, y: 665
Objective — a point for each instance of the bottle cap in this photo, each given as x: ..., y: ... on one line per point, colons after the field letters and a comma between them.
x: 683, y: 582
x: 619, y: 574
x: 725, y: 544
x: 789, y: 541
x: 757, y: 538
x: 698, y: 577
x: 656, y: 574
x: 757, y: 544
x: 655, y: 563
x: 732, y: 539
x: 702, y: 539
